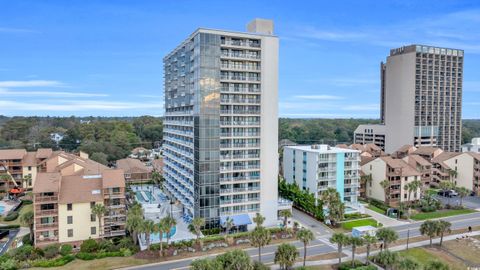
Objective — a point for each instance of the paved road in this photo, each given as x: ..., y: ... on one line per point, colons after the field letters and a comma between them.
x: 320, y: 245
x: 310, y: 223
x: 469, y: 201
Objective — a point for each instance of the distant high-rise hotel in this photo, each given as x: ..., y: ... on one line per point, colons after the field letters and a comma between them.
x: 221, y: 124
x: 421, y: 98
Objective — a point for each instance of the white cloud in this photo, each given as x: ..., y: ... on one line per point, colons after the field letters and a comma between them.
x: 32, y: 83
x: 319, y: 97
x: 16, y: 93
x: 76, y: 106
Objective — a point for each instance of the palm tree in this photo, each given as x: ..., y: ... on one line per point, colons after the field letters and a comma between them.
x: 258, y: 220
x: 147, y: 228
x: 369, y: 241
x: 259, y: 238
x: 462, y: 193
x: 385, y: 184
x: 285, y: 214
x: 286, y: 255
x: 27, y: 219
x: 169, y: 223
x: 429, y: 228
x: 157, y: 179
x: 387, y: 259
x: 341, y: 240
x: 407, y: 264
x: 236, y: 259
x: 228, y: 225
x: 355, y: 242
x: 408, y: 188
x: 442, y: 228
x: 305, y: 236
x: 444, y: 186
x: 196, y: 227
x: 26, y: 180
x: 161, y: 228
x: 387, y: 236
x: 99, y: 210
x: 133, y: 225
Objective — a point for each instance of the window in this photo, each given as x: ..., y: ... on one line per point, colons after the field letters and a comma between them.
x: 93, y: 230
x: 69, y: 207
x: 29, y: 168
x: 69, y: 219
x: 404, y: 196
x: 93, y: 218
x: 92, y: 204
x: 70, y: 232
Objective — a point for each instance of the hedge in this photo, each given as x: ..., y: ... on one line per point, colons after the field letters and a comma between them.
x: 92, y: 256
x: 7, y: 227
x: 378, y: 204
x: 54, y: 262
x: 11, y: 216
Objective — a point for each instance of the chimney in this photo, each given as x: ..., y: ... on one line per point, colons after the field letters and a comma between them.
x: 260, y: 26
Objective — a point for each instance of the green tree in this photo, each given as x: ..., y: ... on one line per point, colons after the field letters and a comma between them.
x: 407, y: 264
x: 99, y: 157
x: 462, y: 193
x: 332, y: 201
x: 196, y: 225
x: 285, y: 256
x: 387, y: 236
x: 158, y: 179
x: 385, y: 184
x: 429, y: 228
x: 205, y: 264
x: 228, y: 225
x: 443, y: 227
x: 341, y: 240
x: 99, y: 210
x: 27, y: 219
x: 235, y: 260
x: 161, y: 228
x: 285, y: 214
x: 355, y: 242
x: 445, y: 186
x: 134, y: 220
x: 436, y: 265
x: 387, y: 259
x: 169, y: 223
x: 369, y: 241
x: 258, y: 220
x: 147, y: 227
x: 259, y: 238
x: 305, y: 236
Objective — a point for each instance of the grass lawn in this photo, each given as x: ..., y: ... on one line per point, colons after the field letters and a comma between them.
x: 441, y: 213
x: 465, y: 249
x: 357, y: 223
x: 376, y: 209
x: 25, y: 208
x: 425, y: 255
x: 100, y: 264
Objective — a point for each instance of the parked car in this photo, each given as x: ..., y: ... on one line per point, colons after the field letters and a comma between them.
x: 447, y: 193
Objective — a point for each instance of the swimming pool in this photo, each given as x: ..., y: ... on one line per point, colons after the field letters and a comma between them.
x: 155, y: 237
x: 141, y: 199
x: 2, y: 209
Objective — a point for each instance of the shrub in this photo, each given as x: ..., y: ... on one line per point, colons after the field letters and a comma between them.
x: 126, y: 252
x: 85, y: 256
x: 105, y: 245
x: 355, y: 216
x: 8, y: 227
x: 66, y: 249
x: 51, y: 251
x: 275, y: 230
x: 11, y: 216
x: 260, y: 266
x: 156, y: 247
x: 240, y: 235
x: 27, y: 202
x: 54, y: 262
x: 25, y: 252
x: 26, y: 240
x: 213, y: 238
x: 89, y: 245
x: 211, y: 231
x: 378, y: 204
x: 348, y: 265
x: 9, y: 264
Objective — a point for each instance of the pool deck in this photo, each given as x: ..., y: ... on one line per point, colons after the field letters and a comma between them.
x: 159, y: 208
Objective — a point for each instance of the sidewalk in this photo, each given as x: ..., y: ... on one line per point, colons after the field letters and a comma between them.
x: 386, y: 221
x: 363, y: 256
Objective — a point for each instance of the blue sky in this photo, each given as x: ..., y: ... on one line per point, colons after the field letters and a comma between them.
x: 104, y: 58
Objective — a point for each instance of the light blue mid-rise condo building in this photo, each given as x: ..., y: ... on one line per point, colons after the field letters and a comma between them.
x: 319, y: 167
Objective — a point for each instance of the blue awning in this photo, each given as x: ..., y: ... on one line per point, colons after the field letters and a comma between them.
x: 238, y: 220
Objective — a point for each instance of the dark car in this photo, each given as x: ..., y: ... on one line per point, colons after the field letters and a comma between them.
x: 447, y: 193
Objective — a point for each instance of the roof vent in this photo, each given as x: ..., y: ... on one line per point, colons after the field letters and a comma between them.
x: 96, y: 176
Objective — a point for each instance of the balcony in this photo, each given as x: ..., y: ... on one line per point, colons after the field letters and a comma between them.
x: 46, y: 226
x: 240, y: 56
x: 41, y: 213
x: 39, y: 198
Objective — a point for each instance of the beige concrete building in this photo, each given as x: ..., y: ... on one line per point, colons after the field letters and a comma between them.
x: 397, y: 172
x: 421, y: 98
x: 21, y: 166
x: 135, y: 170
x: 66, y: 189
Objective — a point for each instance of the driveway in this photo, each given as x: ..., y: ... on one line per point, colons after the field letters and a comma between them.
x: 310, y: 223
x: 471, y: 202
x: 386, y: 221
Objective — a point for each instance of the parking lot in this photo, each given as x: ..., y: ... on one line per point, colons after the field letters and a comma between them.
x: 471, y: 202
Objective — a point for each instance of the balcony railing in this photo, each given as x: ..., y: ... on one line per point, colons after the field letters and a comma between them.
x: 45, y: 198
x: 52, y: 212
x: 46, y: 226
